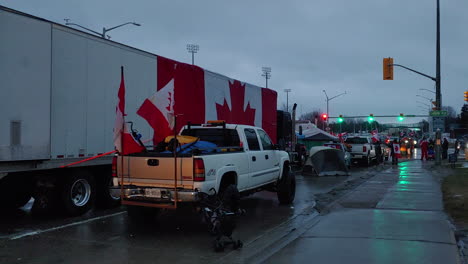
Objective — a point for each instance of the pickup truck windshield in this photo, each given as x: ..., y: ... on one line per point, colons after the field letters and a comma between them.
x: 356, y: 140
x: 219, y: 136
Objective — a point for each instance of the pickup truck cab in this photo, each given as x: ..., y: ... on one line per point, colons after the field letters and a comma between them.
x: 237, y: 156
x: 362, y: 149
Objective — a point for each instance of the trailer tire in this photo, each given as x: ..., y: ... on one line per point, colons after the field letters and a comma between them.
x: 15, y: 191
x: 230, y: 197
x: 287, y: 187
x: 78, y: 193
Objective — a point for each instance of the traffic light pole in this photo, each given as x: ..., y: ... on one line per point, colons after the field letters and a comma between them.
x: 438, y: 93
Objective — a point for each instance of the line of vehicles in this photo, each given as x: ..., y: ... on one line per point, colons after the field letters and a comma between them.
x: 59, y: 93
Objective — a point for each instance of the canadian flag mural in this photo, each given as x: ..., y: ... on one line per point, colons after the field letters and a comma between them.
x: 196, y: 95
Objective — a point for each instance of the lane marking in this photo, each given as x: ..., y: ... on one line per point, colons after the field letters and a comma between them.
x: 37, y: 232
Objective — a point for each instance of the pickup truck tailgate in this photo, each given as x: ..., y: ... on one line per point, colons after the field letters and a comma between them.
x: 155, y: 171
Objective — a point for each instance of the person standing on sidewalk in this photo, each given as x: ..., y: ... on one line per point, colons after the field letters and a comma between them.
x: 445, y: 145
x: 424, y: 147
x: 395, y: 152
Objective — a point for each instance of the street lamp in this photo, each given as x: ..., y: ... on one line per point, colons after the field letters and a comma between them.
x: 287, y: 91
x: 193, y: 48
x: 427, y: 98
x: 427, y: 90
x: 267, y: 74
x: 329, y: 99
x: 423, y: 104
x: 104, y: 30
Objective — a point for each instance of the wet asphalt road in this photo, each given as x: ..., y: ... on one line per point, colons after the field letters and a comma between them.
x: 108, y: 236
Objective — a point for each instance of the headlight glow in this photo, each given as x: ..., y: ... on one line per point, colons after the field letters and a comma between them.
x: 415, y: 142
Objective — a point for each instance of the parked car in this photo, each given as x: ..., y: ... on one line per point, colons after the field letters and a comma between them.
x: 342, y: 147
x: 362, y: 149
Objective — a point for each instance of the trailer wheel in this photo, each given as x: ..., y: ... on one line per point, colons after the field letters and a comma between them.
x: 15, y: 191
x: 78, y: 193
x: 287, y: 187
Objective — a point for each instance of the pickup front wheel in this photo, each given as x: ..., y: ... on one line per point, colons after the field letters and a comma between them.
x: 287, y: 187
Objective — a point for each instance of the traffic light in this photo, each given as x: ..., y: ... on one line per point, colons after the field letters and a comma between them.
x: 401, y: 118
x: 340, y: 119
x: 388, y: 68
x: 324, y: 117
x: 370, y: 118
x: 466, y: 96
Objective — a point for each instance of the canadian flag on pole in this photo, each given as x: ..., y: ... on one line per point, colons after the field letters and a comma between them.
x: 124, y: 142
x: 196, y: 95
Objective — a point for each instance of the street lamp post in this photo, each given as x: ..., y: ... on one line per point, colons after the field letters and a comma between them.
x: 427, y: 98
x: 193, y: 48
x: 328, y: 100
x: 267, y: 74
x: 104, y: 30
x: 422, y: 89
x: 287, y: 91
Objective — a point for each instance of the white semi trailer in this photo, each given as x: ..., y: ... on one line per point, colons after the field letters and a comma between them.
x: 58, y: 93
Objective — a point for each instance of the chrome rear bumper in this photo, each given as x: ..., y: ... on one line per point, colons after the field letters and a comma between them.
x: 155, y: 194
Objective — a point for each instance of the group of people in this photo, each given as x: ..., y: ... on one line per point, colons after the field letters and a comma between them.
x: 427, y: 149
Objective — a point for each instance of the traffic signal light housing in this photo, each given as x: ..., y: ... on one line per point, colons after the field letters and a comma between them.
x: 401, y: 118
x: 324, y: 117
x: 388, y: 68
x: 340, y: 119
x: 466, y: 96
x: 370, y: 118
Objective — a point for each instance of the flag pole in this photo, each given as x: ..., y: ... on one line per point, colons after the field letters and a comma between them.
x: 121, y: 135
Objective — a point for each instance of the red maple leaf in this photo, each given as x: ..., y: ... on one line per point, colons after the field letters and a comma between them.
x: 236, y: 115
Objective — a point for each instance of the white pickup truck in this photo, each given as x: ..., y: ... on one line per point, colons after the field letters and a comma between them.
x: 362, y: 149
x: 243, y: 157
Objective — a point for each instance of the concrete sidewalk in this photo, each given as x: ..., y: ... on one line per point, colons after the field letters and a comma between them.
x: 396, y: 217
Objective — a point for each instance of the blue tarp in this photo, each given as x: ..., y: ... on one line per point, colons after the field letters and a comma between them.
x: 202, y: 146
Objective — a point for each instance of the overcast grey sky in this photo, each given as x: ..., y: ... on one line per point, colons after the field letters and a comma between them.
x: 336, y: 45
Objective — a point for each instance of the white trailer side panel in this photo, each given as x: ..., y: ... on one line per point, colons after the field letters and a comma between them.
x: 86, y: 78
x: 25, y: 70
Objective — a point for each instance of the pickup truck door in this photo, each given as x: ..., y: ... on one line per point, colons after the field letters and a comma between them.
x: 269, y: 156
x: 257, y: 164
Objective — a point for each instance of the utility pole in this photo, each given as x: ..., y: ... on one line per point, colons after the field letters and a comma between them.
x: 267, y: 74
x: 193, y: 48
x: 438, y: 92
x: 287, y: 91
x: 388, y: 75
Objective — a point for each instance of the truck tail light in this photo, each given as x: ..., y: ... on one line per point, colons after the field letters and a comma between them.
x: 364, y: 149
x: 198, y: 170
x: 114, y: 166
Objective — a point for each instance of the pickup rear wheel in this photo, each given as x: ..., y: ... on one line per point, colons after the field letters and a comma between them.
x: 78, y: 193
x: 287, y: 187
x: 230, y: 197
